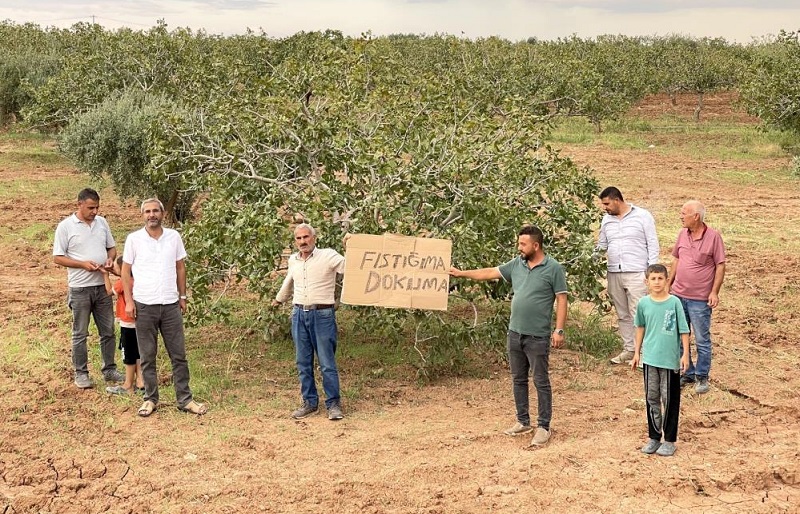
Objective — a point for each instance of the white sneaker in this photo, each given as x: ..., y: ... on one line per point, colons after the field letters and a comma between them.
x: 541, y: 437
x: 625, y: 357
x: 518, y: 429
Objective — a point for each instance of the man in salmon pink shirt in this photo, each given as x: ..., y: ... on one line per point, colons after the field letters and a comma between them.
x: 696, y: 278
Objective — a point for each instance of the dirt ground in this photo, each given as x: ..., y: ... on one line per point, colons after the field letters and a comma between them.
x: 438, y: 448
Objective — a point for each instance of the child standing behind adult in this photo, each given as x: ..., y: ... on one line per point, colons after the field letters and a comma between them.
x: 127, y: 338
x: 661, y: 331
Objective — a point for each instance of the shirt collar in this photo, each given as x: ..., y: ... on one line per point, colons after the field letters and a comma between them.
x: 76, y: 219
x: 297, y: 254
x: 703, y: 230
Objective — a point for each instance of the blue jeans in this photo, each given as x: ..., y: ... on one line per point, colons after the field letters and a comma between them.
x: 698, y: 314
x: 91, y: 301
x: 315, y: 332
x: 526, y: 352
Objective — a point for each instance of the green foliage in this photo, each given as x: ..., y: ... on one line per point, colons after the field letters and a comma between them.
x: 704, y: 65
x: 770, y: 86
x: 442, y: 343
x: 347, y: 136
x: 113, y: 141
x: 599, y: 79
x: 29, y: 58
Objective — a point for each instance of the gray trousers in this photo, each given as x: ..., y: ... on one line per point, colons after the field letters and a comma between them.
x: 86, y: 302
x: 525, y: 353
x: 625, y: 290
x: 167, y: 319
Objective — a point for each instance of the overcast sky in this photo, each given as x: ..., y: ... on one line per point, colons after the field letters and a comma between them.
x: 734, y: 20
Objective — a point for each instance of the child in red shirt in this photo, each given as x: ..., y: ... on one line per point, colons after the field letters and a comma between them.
x: 127, y: 338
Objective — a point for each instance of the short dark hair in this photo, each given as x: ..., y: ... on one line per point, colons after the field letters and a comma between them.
x: 656, y: 268
x: 534, y: 232
x: 88, y: 194
x: 612, y: 193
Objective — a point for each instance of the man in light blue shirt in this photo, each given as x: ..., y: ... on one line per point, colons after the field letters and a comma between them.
x: 628, y: 236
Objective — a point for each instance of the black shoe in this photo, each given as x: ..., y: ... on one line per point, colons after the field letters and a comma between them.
x: 687, y: 379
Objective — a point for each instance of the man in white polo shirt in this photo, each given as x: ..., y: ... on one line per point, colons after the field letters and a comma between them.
x: 84, y: 245
x: 157, y: 301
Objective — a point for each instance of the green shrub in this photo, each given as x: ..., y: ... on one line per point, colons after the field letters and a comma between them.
x: 591, y: 335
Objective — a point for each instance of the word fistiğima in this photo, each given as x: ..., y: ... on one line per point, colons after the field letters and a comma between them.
x: 378, y: 260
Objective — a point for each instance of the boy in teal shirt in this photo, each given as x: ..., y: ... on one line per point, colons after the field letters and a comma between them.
x: 661, y: 330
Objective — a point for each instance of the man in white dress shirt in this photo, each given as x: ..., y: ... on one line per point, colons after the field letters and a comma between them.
x: 628, y: 235
x: 311, y: 282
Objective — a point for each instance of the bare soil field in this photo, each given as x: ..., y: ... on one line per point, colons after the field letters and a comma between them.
x: 438, y: 448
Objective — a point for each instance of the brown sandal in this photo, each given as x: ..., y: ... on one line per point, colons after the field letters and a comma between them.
x: 147, y: 408
x: 194, y: 408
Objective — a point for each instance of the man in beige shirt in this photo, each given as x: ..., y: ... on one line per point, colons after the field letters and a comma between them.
x: 311, y: 282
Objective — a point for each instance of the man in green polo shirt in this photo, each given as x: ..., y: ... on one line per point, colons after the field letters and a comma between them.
x: 538, y: 281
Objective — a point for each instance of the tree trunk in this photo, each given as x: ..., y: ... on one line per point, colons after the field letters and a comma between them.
x: 170, y: 208
x: 699, y: 107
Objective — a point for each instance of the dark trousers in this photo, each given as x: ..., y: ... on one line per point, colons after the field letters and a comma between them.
x: 96, y: 302
x: 129, y: 345
x: 167, y: 319
x: 662, y: 386
x: 525, y: 353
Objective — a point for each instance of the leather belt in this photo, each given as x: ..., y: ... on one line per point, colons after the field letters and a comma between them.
x: 315, y: 306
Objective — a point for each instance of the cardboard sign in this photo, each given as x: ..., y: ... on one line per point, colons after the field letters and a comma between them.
x: 397, y: 271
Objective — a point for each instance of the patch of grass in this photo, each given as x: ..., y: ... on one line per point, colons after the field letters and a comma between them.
x: 746, y: 177
x: 718, y: 140
x: 21, y: 137
x: 574, y: 131
x: 44, y: 187
x: 39, y: 236
x: 35, y: 348
x: 626, y: 141
x: 591, y: 335
x: 629, y: 125
x: 29, y: 150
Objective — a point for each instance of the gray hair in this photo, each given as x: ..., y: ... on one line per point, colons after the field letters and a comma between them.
x: 152, y: 200
x: 308, y: 227
x: 698, y: 208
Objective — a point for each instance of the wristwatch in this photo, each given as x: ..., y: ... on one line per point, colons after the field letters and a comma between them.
x: 182, y: 297
x: 559, y: 331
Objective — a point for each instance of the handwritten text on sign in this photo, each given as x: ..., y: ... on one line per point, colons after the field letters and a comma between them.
x: 397, y: 271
